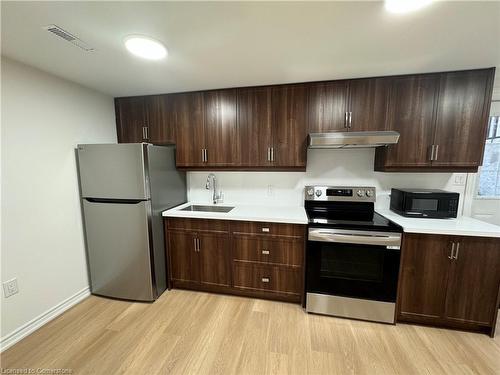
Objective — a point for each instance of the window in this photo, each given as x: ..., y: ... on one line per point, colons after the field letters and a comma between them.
x: 489, y: 177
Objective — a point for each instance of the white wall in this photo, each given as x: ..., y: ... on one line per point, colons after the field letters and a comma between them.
x: 330, y: 167
x: 43, y: 119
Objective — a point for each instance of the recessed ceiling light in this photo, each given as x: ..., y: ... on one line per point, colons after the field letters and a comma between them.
x: 404, y: 6
x: 145, y: 47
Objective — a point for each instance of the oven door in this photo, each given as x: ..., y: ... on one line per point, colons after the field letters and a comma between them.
x: 355, y: 264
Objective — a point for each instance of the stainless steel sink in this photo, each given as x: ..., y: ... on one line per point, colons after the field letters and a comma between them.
x: 207, y: 208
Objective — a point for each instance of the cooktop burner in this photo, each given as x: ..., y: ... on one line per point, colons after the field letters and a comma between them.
x: 378, y: 223
x: 345, y: 208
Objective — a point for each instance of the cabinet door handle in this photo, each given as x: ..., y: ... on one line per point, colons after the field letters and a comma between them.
x: 436, y: 153
x: 272, y: 153
x: 265, y: 279
x: 346, y: 117
x: 456, y: 250
x: 265, y: 229
x: 350, y: 119
x: 451, y: 256
x: 146, y: 129
x: 432, y: 152
x: 202, y: 155
x: 265, y: 252
x: 195, y: 244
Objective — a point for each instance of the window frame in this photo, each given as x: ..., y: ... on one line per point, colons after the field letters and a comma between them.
x: 478, y: 179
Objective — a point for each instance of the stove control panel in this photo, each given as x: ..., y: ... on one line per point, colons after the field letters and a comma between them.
x: 340, y: 193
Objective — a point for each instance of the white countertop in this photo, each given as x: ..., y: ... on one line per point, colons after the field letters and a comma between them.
x: 273, y: 214
x: 462, y: 226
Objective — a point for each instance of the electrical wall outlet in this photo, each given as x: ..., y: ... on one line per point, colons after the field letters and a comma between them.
x: 460, y: 179
x: 10, y: 287
x: 270, y: 190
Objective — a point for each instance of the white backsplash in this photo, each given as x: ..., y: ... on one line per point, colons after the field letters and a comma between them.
x: 329, y: 167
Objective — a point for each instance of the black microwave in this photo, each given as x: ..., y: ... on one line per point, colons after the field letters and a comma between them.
x: 430, y: 203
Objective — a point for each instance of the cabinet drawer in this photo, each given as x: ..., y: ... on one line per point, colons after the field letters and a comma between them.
x: 266, y: 277
x: 270, y: 229
x: 268, y: 250
x: 189, y: 224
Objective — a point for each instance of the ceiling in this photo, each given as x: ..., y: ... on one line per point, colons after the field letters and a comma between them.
x: 227, y: 44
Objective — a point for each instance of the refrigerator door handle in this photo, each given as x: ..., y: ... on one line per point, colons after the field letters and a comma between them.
x: 115, y: 201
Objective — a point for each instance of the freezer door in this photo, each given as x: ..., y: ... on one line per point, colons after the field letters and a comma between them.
x: 118, y: 246
x: 115, y: 171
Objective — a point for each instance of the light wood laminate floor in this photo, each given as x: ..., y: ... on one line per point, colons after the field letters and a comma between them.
x: 199, y: 333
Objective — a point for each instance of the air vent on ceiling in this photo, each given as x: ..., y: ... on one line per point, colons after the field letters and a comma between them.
x: 61, y: 33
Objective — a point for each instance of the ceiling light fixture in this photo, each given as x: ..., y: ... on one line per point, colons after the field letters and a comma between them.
x: 145, y: 47
x: 404, y: 6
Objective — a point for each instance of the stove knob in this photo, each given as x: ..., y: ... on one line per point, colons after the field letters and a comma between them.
x: 318, y: 193
x: 369, y: 193
x: 360, y: 193
x: 310, y: 191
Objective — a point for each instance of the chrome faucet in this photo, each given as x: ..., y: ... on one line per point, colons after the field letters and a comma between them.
x: 216, y: 197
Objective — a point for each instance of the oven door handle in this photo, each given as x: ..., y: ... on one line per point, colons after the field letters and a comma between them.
x: 392, y: 240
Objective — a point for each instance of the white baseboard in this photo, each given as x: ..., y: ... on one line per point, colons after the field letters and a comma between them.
x: 8, y: 340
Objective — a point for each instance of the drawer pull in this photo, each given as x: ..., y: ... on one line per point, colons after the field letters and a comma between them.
x: 265, y: 279
x: 265, y: 229
x: 265, y: 252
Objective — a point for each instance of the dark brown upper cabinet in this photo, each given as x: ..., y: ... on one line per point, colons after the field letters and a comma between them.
x: 289, y: 126
x: 272, y: 131
x: 355, y: 105
x: 145, y: 119
x: 367, y: 104
x: 188, y: 130
x: 462, y: 117
x: 442, y: 119
x: 161, y: 119
x: 328, y: 106
x: 411, y: 113
x: 254, y: 137
x: 220, y: 128
x: 131, y: 119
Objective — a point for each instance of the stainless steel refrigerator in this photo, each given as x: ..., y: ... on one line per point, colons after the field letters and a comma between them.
x: 124, y: 188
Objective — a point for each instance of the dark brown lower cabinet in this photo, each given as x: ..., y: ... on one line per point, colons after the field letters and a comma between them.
x: 245, y: 258
x: 183, y: 257
x: 450, y: 281
x: 213, y: 251
x: 474, y: 277
x: 199, y: 257
x: 264, y: 277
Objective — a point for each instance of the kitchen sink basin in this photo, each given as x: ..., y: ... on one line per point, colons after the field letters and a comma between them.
x: 207, y: 208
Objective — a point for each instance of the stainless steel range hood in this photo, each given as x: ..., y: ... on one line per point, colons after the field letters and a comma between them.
x: 353, y: 139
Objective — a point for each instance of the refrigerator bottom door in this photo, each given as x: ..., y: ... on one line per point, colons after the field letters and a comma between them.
x: 118, y: 249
